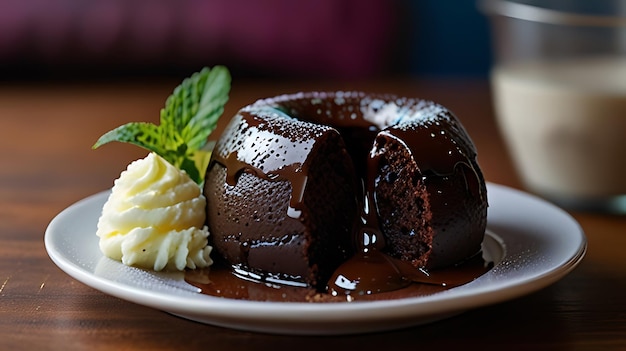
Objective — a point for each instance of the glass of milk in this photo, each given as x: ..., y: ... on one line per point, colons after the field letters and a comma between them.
x: 559, y: 87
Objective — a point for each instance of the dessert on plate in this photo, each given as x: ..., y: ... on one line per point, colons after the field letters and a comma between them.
x: 345, y: 193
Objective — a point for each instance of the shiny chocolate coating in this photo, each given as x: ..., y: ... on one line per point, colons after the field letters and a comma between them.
x: 295, y: 181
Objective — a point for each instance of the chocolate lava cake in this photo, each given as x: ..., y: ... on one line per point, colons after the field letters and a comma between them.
x: 286, y: 183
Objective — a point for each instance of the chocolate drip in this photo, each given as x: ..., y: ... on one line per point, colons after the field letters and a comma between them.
x: 369, y: 271
x: 292, y: 167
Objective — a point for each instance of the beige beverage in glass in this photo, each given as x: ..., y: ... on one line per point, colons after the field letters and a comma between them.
x: 559, y: 88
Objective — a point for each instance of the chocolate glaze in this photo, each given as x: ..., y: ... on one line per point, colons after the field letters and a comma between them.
x: 295, y: 127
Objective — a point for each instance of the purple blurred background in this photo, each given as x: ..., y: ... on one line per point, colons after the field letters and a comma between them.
x: 340, y: 39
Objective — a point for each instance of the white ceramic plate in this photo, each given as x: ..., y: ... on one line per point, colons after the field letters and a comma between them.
x: 532, y: 242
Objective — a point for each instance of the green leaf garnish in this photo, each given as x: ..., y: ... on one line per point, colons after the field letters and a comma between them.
x: 188, y: 118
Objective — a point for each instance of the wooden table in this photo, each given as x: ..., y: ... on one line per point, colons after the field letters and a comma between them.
x: 46, y: 132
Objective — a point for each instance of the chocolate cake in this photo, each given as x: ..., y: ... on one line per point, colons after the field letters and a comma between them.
x: 299, y: 184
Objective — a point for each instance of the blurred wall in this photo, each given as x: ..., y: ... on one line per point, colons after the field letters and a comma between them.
x: 341, y: 39
x: 448, y: 38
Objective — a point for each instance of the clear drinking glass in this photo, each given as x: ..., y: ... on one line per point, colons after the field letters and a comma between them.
x: 559, y: 87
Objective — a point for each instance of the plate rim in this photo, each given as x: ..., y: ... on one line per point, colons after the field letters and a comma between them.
x: 209, y: 307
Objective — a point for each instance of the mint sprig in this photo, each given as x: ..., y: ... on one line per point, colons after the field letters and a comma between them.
x: 188, y: 118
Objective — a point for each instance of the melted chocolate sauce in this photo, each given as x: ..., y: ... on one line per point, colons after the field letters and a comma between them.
x: 221, y: 281
x: 369, y: 271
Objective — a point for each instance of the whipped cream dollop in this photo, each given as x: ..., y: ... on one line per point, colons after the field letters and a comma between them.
x: 154, y: 218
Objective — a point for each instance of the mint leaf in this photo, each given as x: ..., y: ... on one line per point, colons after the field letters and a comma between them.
x: 192, y: 111
x: 146, y: 135
x: 188, y: 118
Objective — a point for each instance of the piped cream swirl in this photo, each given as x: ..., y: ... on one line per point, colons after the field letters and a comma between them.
x: 154, y: 218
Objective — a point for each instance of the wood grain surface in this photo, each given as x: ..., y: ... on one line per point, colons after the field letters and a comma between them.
x: 46, y: 164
